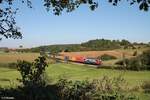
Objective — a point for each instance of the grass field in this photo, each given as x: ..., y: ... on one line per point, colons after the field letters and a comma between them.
x: 71, y: 71
x: 8, y: 77
x: 77, y: 72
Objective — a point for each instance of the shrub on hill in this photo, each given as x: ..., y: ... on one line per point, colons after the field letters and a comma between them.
x: 146, y: 86
x: 141, y: 62
x: 145, y: 58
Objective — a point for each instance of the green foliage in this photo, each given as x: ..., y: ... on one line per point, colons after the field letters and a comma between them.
x: 141, y: 62
x: 78, y: 90
x: 146, y: 86
x: 143, y: 4
x: 98, y: 44
x: 130, y: 64
x: 6, y: 51
x: 66, y: 50
x: 30, y: 93
x: 9, y: 29
x: 106, y: 57
x: 112, y: 89
x: 99, y: 89
x: 145, y: 58
x: 92, y: 45
x: 32, y: 73
x: 58, y: 6
x: 55, y: 48
x: 101, y: 44
x: 124, y: 42
x: 135, y: 64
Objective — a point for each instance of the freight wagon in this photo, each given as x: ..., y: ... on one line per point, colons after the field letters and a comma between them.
x: 81, y: 59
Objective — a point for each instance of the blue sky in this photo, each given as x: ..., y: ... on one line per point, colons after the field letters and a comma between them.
x: 40, y: 27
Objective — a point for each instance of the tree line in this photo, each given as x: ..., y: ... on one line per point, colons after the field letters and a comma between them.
x: 91, y: 45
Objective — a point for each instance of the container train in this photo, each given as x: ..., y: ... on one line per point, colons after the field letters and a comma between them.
x: 81, y: 59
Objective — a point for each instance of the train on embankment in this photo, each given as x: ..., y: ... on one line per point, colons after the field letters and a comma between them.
x: 76, y: 58
x: 84, y: 60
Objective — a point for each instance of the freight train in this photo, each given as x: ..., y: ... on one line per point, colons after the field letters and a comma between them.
x: 78, y: 59
x: 81, y: 59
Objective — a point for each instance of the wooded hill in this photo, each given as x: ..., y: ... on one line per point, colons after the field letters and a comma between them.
x: 91, y: 45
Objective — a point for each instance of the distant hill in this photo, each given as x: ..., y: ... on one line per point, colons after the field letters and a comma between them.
x: 91, y: 45
x: 3, y: 49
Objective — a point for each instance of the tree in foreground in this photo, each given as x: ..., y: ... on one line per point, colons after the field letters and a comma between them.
x: 32, y: 74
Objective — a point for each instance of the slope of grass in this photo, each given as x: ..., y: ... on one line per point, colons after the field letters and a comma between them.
x: 77, y: 72
x: 8, y: 77
x: 80, y: 72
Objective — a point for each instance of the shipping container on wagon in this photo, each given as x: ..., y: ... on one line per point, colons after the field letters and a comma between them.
x: 82, y: 59
x: 79, y: 59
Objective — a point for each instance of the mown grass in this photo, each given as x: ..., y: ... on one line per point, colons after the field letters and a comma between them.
x: 8, y: 77
x: 78, y: 72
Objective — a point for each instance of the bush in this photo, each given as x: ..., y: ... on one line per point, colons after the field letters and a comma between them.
x: 32, y: 73
x: 146, y: 86
x: 141, y: 62
x: 6, y: 50
x: 30, y: 93
x: 78, y: 90
x: 121, y: 62
x: 135, y: 53
x: 131, y: 64
x: 99, y: 89
x: 106, y: 57
x: 145, y: 58
x: 134, y: 64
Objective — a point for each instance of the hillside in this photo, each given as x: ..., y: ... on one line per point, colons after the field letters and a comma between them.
x: 91, y: 45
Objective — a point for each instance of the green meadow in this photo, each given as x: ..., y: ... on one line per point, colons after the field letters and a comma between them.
x: 8, y: 77
x: 77, y: 72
